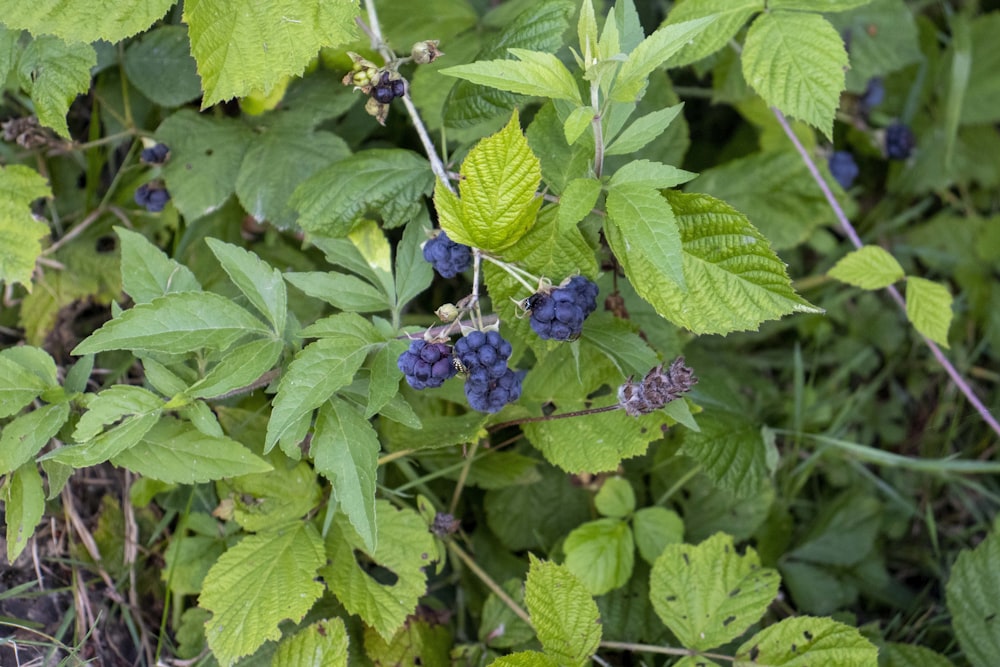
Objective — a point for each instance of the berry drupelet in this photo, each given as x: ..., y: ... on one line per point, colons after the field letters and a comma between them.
x: 843, y: 168
x: 899, y: 141
x: 559, y: 315
x: 152, y: 198
x: 491, y: 396
x: 155, y: 155
x: 448, y: 258
x: 426, y: 364
x: 490, y: 384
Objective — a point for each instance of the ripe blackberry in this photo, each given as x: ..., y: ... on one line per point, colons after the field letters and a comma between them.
x: 152, y: 198
x: 449, y: 258
x: 155, y: 155
x: 559, y: 315
x: 398, y: 88
x: 426, y: 364
x: 873, y: 95
x: 843, y: 168
x: 483, y: 355
x: 383, y: 94
x: 899, y: 141
x: 492, y: 395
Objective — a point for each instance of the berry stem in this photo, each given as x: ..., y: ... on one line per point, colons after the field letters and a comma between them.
x: 561, y: 415
x: 514, y: 271
x: 595, y: 103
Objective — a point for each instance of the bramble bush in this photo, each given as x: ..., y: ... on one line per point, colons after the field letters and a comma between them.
x: 447, y: 333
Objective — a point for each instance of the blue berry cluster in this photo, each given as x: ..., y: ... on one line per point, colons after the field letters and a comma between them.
x: 449, y: 258
x: 155, y: 155
x: 843, y: 168
x: 899, y: 141
x: 559, y: 314
x: 490, y: 384
x: 426, y: 364
x: 386, y: 90
x: 152, y: 197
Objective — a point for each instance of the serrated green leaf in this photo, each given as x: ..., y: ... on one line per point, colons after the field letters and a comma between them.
x: 928, y: 307
x: 24, y: 505
x: 615, y: 498
x: 388, y: 182
x: 577, y: 200
x: 506, y: 509
x: 708, y: 594
x: 731, y: 451
x: 973, y: 606
x: 500, y: 626
x: 22, y: 234
x: 261, y: 285
x: 270, y: 500
x: 282, y: 565
x: 601, y: 554
x: 147, y: 272
x: 404, y: 546
x: 436, y: 432
x: 111, y: 405
x: 240, y: 367
x: 586, y: 32
x: 620, y: 343
x: 561, y: 162
x: 383, y: 381
x: 649, y: 174
x: 577, y: 121
x: 36, y: 360
x: 533, y: 73
x: 413, y: 273
x: 418, y: 642
x: 109, y: 20
x: 340, y: 290
x: 176, y: 323
x: 563, y: 613
x: 526, y: 659
x: 820, y: 6
x: 645, y: 237
x: 655, y: 528
x: 345, y: 450
x: 730, y: 17
x: 175, y: 452
x: 54, y: 73
x: 18, y: 385
x: 796, y: 62
x: 347, y: 329
x: 242, y: 49
x: 804, y: 640
x: 653, y: 52
x: 23, y: 437
x: 108, y: 444
x: 322, y: 643
x: 643, y: 130
x: 8, y: 50
x: 893, y: 654
x: 869, y: 267
x: 160, y: 66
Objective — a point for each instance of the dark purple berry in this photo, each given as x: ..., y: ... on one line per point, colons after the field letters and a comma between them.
x: 141, y: 195
x: 843, y: 168
x: 383, y: 94
x: 157, y: 200
x: 426, y: 364
x: 448, y: 258
x: 398, y: 88
x: 491, y: 396
x: 873, y: 95
x: 559, y: 315
x: 483, y: 353
x: 899, y: 141
x: 155, y: 155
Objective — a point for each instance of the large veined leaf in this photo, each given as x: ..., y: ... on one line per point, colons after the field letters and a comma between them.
x: 22, y: 234
x: 651, y: 53
x: 928, y: 307
x: 730, y: 450
x: 533, y: 73
x: 972, y: 603
x: 563, y: 613
x: 322, y: 643
x: 147, y: 272
x: 110, y: 20
x: 646, y: 237
x: 54, y: 73
x: 160, y: 65
x: 23, y: 437
x: 803, y: 641
x: 870, y: 267
x: 601, y: 554
x: 730, y: 16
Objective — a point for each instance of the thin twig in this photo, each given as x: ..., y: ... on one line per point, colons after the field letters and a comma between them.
x: 490, y: 584
x: 76, y: 231
x: 665, y: 650
x: 561, y: 415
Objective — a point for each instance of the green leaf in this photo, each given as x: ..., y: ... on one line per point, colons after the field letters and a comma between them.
x: 240, y: 367
x: 870, y: 267
x: 322, y: 643
x: 819, y: 6
x: 385, y: 181
x: 9, y: 50
x: 973, y: 606
x: 282, y: 565
x: 615, y: 498
x: 653, y: 52
x: 54, y: 73
x: 844, y: 532
x: 526, y: 659
x: 148, y: 273
x: 883, y: 38
x: 108, y: 444
x: 563, y: 613
x: 500, y: 626
x: 345, y: 450
x: 418, y: 642
x: 497, y: 204
x: 803, y: 641
x: 109, y: 20
x: 978, y: 104
x: 644, y: 129
x: 23, y: 437
x: 436, y: 432
x: 645, y: 237
x: 260, y: 283
x: 243, y: 49
x: 708, y: 594
x: 24, y: 505
x: 601, y: 554
x: 796, y: 61
x: 176, y: 323
x: 928, y: 307
x: 506, y: 509
x: 654, y: 529
x: 160, y: 66
x: 173, y: 451
x: 533, y: 73
x: 383, y: 382
x: 577, y: 121
x: 18, y: 385
x: 270, y: 500
x: 577, y: 200
x: 731, y: 451
x: 893, y: 654
x: 22, y: 234
x: 111, y: 405
x: 340, y: 290
x: 404, y: 547
x: 730, y: 17
x: 413, y: 273
x: 586, y: 31
x: 347, y: 329
x: 205, y: 158
x: 561, y: 162
x: 648, y: 174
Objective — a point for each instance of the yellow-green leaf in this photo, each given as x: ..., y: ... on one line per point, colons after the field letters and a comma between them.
x: 110, y: 20
x: 928, y: 307
x: 804, y: 641
x: 22, y: 234
x: 870, y: 267
x: 563, y: 613
x: 54, y: 73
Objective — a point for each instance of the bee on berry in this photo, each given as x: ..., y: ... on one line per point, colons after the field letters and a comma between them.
x: 529, y: 303
x: 459, y: 366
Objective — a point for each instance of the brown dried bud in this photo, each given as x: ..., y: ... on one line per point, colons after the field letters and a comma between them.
x: 658, y: 388
x: 425, y: 52
x: 444, y: 524
x: 377, y: 109
x: 26, y: 132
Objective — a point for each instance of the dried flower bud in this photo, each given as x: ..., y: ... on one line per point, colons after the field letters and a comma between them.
x: 658, y: 388
x: 25, y: 132
x: 377, y: 109
x: 444, y: 524
x: 425, y: 52
x: 447, y: 313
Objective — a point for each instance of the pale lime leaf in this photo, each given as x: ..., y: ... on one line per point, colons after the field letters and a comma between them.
x: 322, y: 643
x: 147, y: 272
x: 176, y: 323
x: 111, y: 405
x: 246, y: 48
x: 644, y: 129
x: 615, y: 498
x: 340, y: 290
x: 271, y: 499
x: 22, y: 234
x: 708, y: 594
x: 577, y: 121
x: 261, y: 285
x: 563, y: 613
x: 975, y: 577
x: 54, y: 73
x: 173, y: 451
x: 526, y: 659
x: 25, y: 436
x: 894, y: 654
x: 533, y: 73
x: 601, y: 554
x: 646, y: 239
x: 108, y: 444
x: 24, y: 505
x: 160, y: 66
x: 388, y: 182
x: 731, y: 15
x: 18, y: 386
x: 655, y: 528
x: 281, y: 564
x: 577, y: 200
x: 405, y: 546
x: 36, y: 360
x: 240, y: 367
x: 586, y: 32
x: 796, y: 61
x: 823, y: 6
x: 928, y: 307
x: 345, y: 450
x: 731, y: 450
x: 108, y: 20
x: 347, y: 329
x: 497, y: 204
x: 649, y: 174
x: 804, y: 641
x: 870, y: 267
x: 653, y: 52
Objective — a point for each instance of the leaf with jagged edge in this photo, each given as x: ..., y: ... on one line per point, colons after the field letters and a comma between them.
x: 730, y: 17
x: 147, y: 272
x: 563, y: 613
x: 322, y: 643
x: 22, y: 234
x: 730, y: 449
x: 23, y: 437
x: 53, y: 73
x: 796, y: 62
x: 822, y: 6
x: 533, y: 73
x: 260, y: 283
x: 418, y: 642
x: 894, y: 654
x: 644, y: 235
x: 803, y: 641
x: 708, y: 594
x: 643, y: 130
x: 8, y: 50
x: 108, y: 20
x: 651, y: 53
x: 526, y: 659
x: 110, y: 406
x: 263, y: 501
x: 601, y: 554
x: 561, y: 162
x: 870, y: 267
x: 928, y: 308
x: 24, y: 505
x: 281, y: 564
x: 975, y: 577
x: 241, y: 48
